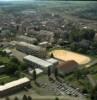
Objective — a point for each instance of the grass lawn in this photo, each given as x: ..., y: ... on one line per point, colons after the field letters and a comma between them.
x: 81, y: 83
x: 95, y: 76
x: 6, y: 78
x: 4, y: 59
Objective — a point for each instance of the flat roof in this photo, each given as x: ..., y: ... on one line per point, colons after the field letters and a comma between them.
x: 26, y: 38
x: 2, y: 66
x: 38, y: 61
x: 29, y: 45
x: 14, y: 83
x: 52, y: 60
x: 38, y: 71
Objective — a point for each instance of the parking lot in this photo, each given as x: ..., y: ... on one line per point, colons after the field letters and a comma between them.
x: 57, y: 88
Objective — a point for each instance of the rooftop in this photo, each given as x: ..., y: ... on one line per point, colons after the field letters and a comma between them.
x: 38, y: 61
x: 29, y: 45
x: 52, y: 60
x: 14, y: 83
x: 38, y: 71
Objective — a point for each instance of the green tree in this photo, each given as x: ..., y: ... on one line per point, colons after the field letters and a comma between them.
x: 23, y: 66
x: 29, y: 98
x: 24, y: 97
x: 1, y: 63
x: 49, y: 71
x: 52, y: 56
x: 94, y: 93
x: 56, y: 98
x: 15, y: 60
x: 16, y: 98
x: 34, y: 75
x: 56, y: 72
x: 11, y: 68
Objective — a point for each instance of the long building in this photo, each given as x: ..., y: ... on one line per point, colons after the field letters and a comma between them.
x: 37, y: 62
x: 26, y: 39
x: 31, y: 49
x: 13, y: 86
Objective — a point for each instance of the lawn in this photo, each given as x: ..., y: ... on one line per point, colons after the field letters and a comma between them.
x: 82, y: 83
x: 4, y: 59
x: 6, y: 78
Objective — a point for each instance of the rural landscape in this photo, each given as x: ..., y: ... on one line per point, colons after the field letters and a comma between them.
x: 48, y: 50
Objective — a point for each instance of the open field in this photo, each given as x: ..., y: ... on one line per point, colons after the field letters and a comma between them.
x: 68, y: 55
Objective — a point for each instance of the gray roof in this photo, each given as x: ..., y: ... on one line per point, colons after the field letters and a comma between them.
x: 26, y: 38
x: 31, y: 46
x: 38, y: 61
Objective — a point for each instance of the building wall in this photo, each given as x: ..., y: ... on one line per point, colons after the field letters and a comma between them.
x: 13, y: 89
x: 34, y: 65
x: 39, y: 52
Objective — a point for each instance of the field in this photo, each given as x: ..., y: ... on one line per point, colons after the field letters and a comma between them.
x: 68, y: 55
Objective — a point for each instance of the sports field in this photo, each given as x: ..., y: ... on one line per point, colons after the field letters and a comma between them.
x: 68, y: 55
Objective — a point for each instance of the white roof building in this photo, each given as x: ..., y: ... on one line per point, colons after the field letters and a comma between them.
x: 38, y: 71
x: 8, y: 51
x: 53, y: 61
x: 14, y: 84
x: 42, y: 63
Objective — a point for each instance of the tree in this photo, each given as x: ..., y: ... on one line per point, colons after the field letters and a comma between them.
x: 1, y: 63
x: 49, y: 71
x: 23, y: 66
x: 34, y: 75
x: 29, y: 98
x: 56, y: 72
x: 52, y: 56
x: 15, y: 60
x: 11, y: 68
x: 24, y: 97
x: 16, y: 98
x: 56, y: 98
x: 94, y: 93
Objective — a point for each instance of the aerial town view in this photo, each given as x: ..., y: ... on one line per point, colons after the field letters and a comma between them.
x: 48, y: 50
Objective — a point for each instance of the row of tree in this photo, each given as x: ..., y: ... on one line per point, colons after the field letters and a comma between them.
x: 25, y: 98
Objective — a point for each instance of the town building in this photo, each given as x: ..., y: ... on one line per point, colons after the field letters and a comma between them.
x: 26, y: 39
x: 37, y: 62
x: 45, y: 35
x: 13, y: 86
x: 31, y: 49
x: 44, y: 44
x: 53, y: 61
x: 38, y: 71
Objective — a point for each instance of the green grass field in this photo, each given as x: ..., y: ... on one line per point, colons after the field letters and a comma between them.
x: 6, y: 78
